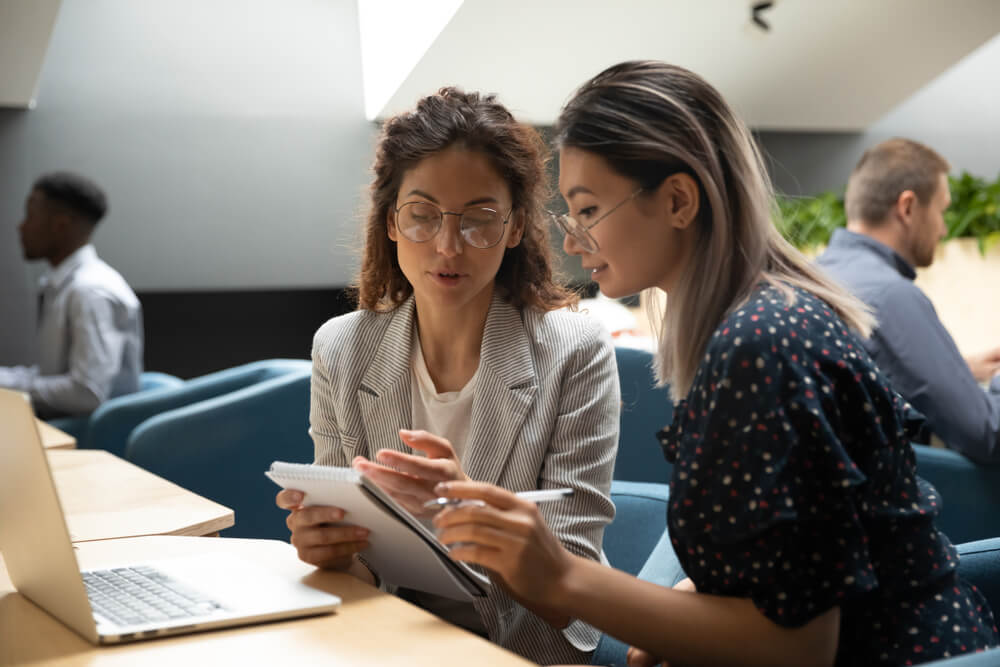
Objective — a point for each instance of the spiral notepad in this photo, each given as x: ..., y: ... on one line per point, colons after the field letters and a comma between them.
x: 402, y: 550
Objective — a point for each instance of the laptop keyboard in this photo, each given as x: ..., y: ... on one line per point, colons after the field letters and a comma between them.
x: 142, y: 594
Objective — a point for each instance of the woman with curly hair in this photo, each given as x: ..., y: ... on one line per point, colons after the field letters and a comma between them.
x: 462, y: 361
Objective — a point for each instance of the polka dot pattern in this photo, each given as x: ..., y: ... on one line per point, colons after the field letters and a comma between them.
x: 795, y: 485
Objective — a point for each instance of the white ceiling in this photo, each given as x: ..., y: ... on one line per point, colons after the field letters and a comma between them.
x: 837, y: 65
x: 25, y: 28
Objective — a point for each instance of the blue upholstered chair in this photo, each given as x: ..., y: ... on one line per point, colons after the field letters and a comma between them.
x: 645, y: 410
x: 980, y: 564
x: 984, y: 659
x: 151, y: 380
x: 74, y: 426
x: 148, y: 381
x: 112, y: 423
x: 220, y: 447
x: 970, y: 493
x: 637, y: 542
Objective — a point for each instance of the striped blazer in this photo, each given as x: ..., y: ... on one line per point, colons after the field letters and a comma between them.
x: 544, y: 415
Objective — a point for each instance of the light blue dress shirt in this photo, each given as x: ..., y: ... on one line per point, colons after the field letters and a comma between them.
x: 914, y: 349
x: 90, y: 339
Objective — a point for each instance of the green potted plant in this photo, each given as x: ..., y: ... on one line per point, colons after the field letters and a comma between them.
x: 808, y: 222
x: 974, y: 210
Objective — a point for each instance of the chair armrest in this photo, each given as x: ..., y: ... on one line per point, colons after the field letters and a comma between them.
x: 150, y: 380
x: 111, y: 424
x: 990, y: 658
x: 979, y: 564
x: 967, y: 490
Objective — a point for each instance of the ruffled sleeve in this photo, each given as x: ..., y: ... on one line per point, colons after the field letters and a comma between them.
x: 763, y: 498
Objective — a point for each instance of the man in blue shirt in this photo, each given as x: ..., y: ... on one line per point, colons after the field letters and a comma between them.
x: 896, y: 199
x: 90, y: 333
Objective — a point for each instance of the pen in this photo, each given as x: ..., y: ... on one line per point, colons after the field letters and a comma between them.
x: 540, y: 496
x: 543, y: 495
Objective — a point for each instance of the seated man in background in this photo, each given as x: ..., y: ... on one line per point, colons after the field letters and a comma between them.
x: 89, y: 320
x: 895, y: 203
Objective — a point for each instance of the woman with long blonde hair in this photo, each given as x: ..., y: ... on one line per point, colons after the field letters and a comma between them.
x: 795, y: 508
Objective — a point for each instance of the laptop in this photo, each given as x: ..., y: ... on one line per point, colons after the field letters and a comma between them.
x: 131, y: 601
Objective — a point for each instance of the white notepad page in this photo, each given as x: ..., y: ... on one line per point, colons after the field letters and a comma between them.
x: 403, y: 551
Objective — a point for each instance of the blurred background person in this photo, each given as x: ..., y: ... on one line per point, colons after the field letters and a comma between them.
x: 90, y: 335
x: 895, y: 203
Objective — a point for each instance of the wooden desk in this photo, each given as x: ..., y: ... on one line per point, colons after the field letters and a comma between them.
x: 371, y: 628
x: 53, y: 438
x: 106, y: 497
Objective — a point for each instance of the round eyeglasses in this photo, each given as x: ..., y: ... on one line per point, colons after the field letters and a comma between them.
x: 420, y: 221
x: 581, y: 232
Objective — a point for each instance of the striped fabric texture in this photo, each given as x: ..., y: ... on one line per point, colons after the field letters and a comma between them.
x: 545, y: 415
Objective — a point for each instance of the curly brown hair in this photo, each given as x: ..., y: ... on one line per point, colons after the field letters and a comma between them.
x: 479, y: 123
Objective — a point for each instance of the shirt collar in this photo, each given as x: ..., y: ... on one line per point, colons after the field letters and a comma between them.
x: 848, y: 240
x: 55, y: 277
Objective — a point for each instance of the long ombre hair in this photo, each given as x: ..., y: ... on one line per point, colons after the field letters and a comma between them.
x: 649, y: 120
x: 479, y: 123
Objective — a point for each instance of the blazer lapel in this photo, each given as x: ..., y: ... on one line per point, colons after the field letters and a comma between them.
x: 504, y: 391
x: 384, y: 392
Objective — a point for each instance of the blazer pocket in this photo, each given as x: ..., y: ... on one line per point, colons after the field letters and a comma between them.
x: 349, y: 445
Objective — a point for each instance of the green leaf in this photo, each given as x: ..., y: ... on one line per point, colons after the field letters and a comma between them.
x: 807, y: 222
x: 988, y: 242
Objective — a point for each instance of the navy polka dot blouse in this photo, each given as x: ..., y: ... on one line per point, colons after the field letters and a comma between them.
x: 795, y: 485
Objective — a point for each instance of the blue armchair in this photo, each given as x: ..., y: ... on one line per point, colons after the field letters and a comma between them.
x: 220, y: 448
x: 646, y: 409
x: 151, y: 380
x: 112, y: 423
x: 637, y: 542
x: 969, y: 493
x: 148, y: 381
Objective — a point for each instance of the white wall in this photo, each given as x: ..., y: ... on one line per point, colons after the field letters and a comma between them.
x: 957, y: 114
x: 229, y: 135
x: 25, y: 27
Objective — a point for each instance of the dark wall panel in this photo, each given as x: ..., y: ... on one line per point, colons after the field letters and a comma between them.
x: 193, y: 333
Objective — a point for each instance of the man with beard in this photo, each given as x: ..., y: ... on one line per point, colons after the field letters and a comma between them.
x: 895, y: 203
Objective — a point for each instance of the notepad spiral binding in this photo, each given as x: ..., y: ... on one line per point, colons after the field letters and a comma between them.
x: 310, y: 471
